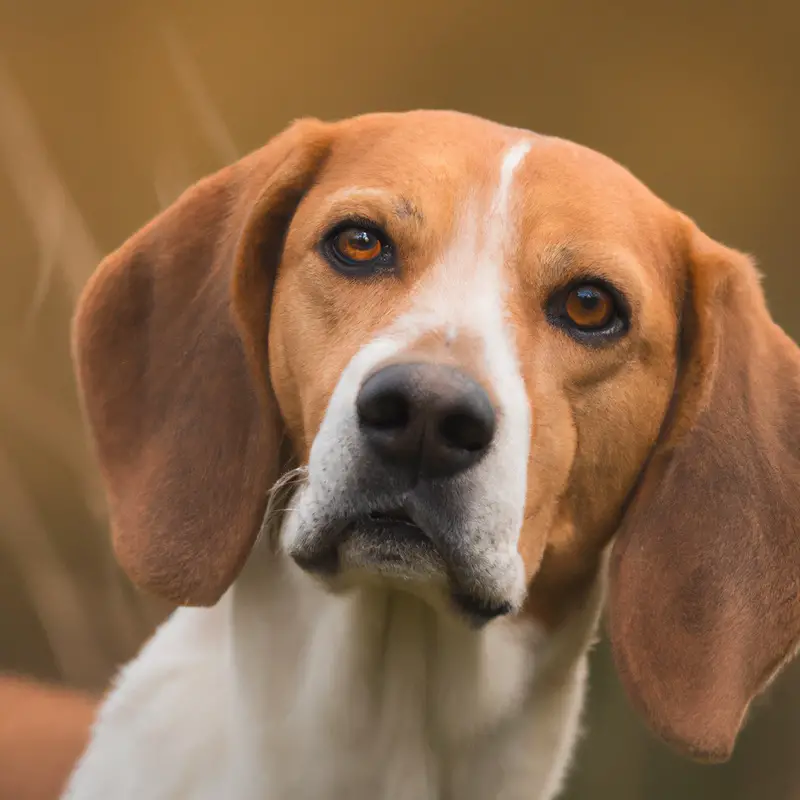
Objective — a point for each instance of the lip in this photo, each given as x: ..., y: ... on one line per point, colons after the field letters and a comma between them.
x: 478, y: 611
x: 395, y: 523
x: 389, y: 536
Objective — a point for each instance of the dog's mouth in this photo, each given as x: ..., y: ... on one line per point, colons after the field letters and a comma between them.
x: 384, y: 541
x: 390, y: 544
x: 395, y: 524
x: 388, y: 539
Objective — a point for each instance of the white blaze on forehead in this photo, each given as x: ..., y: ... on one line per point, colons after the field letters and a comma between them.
x: 512, y: 159
x: 466, y: 289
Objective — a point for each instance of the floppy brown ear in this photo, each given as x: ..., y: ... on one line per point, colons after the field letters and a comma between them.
x: 704, y: 597
x: 169, y: 342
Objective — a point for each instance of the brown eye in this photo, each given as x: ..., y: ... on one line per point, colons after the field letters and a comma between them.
x: 593, y: 312
x: 358, y: 249
x: 589, y: 307
x: 357, y: 245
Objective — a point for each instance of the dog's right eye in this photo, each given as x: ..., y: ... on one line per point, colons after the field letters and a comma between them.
x: 357, y: 245
x: 358, y: 249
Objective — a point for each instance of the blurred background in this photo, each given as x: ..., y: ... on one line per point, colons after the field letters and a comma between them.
x: 108, y: 110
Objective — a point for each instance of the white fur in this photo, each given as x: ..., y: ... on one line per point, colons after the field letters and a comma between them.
x: 286, y: 691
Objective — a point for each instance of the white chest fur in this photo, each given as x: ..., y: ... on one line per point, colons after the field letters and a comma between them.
x: 283, y: 692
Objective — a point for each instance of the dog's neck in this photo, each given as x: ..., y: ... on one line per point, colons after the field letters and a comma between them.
x: 374, y: 694
x: 283, y: 691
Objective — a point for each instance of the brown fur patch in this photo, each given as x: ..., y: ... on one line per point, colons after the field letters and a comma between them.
x: 43, y: 731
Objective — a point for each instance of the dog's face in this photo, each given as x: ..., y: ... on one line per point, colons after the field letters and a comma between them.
x: 489, y: 353
x: 473, y: 346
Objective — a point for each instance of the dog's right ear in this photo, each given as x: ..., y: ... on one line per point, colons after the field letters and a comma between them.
x: 171, y: 366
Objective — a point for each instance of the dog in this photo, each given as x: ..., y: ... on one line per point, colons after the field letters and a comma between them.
x: 390, y: 408
x: 43, y: 730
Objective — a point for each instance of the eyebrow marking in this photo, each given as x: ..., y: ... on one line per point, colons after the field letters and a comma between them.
x: 360, y: 193
x: 405, y: 208
x: 402, y: 207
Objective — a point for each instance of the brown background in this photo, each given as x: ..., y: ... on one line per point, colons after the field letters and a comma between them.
x: 109, y: 109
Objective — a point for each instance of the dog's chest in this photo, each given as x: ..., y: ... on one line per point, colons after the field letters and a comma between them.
x: 384, y: 699
x: 285, y: 693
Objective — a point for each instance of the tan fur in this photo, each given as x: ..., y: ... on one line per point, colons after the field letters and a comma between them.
x: 43, y: 730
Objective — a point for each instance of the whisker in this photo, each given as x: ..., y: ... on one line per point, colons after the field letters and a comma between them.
x: 279, y: 502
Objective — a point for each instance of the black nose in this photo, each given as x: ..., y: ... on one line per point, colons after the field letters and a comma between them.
x: 430, y: 418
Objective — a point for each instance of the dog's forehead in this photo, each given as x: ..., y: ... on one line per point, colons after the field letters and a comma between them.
x: 423, y: 145
x: 430, y: 161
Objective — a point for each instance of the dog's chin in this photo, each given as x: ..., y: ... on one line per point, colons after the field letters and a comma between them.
x: 389, y: 549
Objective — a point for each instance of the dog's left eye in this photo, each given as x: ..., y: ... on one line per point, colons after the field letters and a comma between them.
x: 358, y: 250
x: 589, y: 311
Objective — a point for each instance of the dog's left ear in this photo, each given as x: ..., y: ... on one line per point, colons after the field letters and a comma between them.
x: 704, y: 599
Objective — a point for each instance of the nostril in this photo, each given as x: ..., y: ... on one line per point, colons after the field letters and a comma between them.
x: 385, y: 410
x: 465, y: 431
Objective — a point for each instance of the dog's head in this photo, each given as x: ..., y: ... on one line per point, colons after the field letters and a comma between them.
x: 489, y: 352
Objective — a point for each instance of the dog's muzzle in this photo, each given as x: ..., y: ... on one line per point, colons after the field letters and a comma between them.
x: 395, y: 502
